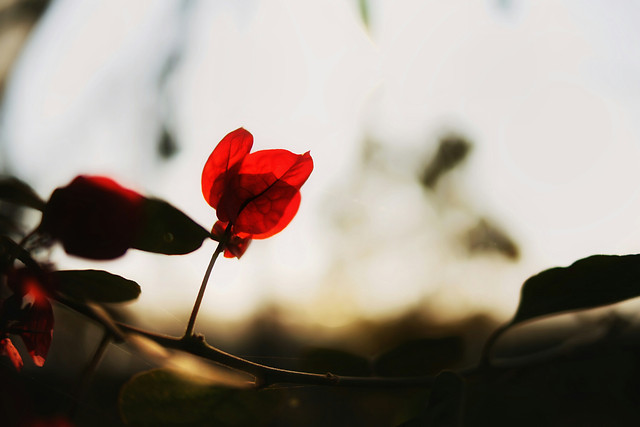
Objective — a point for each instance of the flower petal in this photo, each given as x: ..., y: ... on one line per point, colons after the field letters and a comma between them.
x: 286, y: 217
x: 229, y: 152
x: 7, y: 349
x: 38, y: 328
x: 258, y: 197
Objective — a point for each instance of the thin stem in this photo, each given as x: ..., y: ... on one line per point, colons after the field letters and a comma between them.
x: 196, y: 306
x: 89, y: 371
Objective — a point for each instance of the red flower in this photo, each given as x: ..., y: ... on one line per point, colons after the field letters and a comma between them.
x: 256, y: 194
x: 27, y: 313
x: 94, y: 217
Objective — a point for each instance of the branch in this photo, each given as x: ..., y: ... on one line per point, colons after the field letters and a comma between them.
x: 269, y: 375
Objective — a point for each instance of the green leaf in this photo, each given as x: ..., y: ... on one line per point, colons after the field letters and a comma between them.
x: 15, y: 191
x: 587, y: 283
x: 167, y: 230
x: 161, y: 397
x: 95, y: 285
x: 420, y: 357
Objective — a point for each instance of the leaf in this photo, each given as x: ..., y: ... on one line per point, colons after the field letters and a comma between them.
x: 161, y: 397
x: 15, y: 191
x: 587, y: 283
x: 167, y: 230
x: 445, y: 405
x: 95, y: 285
x: 190, y: 365
x: 446, y: 401
x: 323, y: 360
x: 419, y: 357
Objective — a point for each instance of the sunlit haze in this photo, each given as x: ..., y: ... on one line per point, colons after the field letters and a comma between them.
x: 545, y: 91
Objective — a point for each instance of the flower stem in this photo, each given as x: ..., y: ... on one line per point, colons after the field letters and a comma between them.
x: 196, y: 306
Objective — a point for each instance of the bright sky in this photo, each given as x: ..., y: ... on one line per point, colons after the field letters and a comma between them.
x: 547, y: 91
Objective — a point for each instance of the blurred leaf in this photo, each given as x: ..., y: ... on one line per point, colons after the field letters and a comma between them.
x: 10, y: 250
x: 419, y: 357
x: 451, y: 152
x: 167, y: 146
x: 95, y: 285
x: 587, y: 283
x: 167, y: 230
x: 323, y: 360
x: 487, y: 237
x: 190, y: 365
x: 161, y: 397
x: 15, y: 191
x: 363, y: 6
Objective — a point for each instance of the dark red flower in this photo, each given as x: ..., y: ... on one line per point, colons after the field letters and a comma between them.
x: 27, y: 313
x: 257, y: 194
x: 94, y: 217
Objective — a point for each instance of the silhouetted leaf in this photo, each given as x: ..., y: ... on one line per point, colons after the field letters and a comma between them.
x: 167, y: 230
x: 590, y: 282
x: 161, y: 397
x: 446, y: 400
x: 323, y: 360
x: 419, y: 357
x: 15, y: 191
x: 95, y: 285
x: 445, y: 404
x: 10, y: 250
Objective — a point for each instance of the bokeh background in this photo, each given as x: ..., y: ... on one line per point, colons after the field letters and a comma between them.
x: 459, y: 147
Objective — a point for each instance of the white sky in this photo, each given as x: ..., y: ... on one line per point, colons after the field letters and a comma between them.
x: 547, y: 90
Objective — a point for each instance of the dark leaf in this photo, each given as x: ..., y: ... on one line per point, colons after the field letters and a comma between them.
x: 446, y: 401
x: 323, y: 360
x: 167, y: 230
x: 419, y: 357
x: 451, y: 152
x: 162, y: 397
x: 95, y: 285
x: 10, y: 250
x: 15, y: 191
x: 487, y: 237
x: 445, y: 404
x: 167, y: 146
x: 590, y: 282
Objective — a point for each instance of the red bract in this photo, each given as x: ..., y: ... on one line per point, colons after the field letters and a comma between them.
x: 257, y: 193
x: 7, y: 349
x: 93, y: 217
x: 27, y: 313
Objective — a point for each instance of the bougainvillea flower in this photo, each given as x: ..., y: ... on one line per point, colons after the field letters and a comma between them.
x: 94, y: 217
x: 27, y: 313
x: 237, y: 244
x: 257, y: 194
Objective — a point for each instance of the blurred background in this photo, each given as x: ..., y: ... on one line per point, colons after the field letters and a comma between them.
x: 459, y: 147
